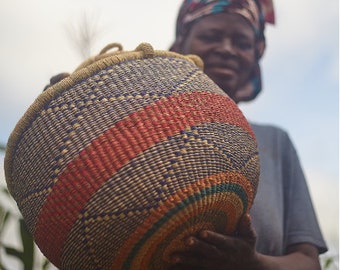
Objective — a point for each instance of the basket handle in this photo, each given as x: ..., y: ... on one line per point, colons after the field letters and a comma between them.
x: 111, y: 46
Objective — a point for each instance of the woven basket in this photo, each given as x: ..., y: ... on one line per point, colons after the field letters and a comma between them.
x: 113, y: 166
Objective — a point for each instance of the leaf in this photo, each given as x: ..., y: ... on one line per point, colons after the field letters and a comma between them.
x: 13, y: 252
x: 3, y: 220
x: 2, y: 147
x: 45, y: 264
x: 6, y: 192
x: 27, y: 255
x: 328, y: 262
x: 28, y: 246
x: 2, y: 267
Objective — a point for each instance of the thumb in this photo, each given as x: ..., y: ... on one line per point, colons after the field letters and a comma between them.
x: 245, y: 229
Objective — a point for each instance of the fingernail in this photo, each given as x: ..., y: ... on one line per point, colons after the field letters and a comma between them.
x: 190, y: 241
x: 204, y: 234
x: 176, y: 259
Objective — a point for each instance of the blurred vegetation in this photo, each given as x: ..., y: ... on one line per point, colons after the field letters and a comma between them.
x: 25, y: 254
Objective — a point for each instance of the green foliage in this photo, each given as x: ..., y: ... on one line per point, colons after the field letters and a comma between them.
x: 26, y: 255
x: 4, y: 215
x: 329, y: 263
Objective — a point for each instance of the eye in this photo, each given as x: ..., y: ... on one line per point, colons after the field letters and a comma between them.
x: 244, y: 44
x: 209, y: 38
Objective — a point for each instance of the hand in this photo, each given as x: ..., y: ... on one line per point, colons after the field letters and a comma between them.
x: 210, y: 250
x: 57, y: 78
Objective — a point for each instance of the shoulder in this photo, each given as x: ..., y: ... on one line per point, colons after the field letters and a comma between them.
x: 270, y: 133
x: 272, y: 138
x: 267, y: 129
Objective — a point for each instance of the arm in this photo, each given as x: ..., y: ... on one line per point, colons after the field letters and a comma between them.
x: 299, y: 256
x: 210, y: 250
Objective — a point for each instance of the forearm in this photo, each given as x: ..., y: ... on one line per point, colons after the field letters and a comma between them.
x: 301, y: 257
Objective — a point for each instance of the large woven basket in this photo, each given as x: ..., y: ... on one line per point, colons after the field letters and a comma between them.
x: 113, y: 166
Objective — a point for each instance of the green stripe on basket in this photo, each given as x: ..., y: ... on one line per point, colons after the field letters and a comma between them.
x: 222, y: 187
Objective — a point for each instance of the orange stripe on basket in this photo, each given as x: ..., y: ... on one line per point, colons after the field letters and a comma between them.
x: 117, y: 146
x: 171, y: 202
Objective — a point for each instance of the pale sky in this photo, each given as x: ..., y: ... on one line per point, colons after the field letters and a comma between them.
x: 300, y: 71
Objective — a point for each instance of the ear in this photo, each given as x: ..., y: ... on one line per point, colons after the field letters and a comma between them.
x: 260, y: 48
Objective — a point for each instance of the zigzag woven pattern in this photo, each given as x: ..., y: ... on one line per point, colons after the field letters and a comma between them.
x: 114, y: 165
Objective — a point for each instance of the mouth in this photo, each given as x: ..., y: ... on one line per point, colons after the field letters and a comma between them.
x: 222, y: 68
x: 221, y: 71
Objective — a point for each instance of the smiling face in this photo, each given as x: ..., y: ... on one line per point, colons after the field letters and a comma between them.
x: 227, y: 45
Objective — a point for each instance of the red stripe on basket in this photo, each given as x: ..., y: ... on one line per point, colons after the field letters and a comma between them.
x: 117, y: 146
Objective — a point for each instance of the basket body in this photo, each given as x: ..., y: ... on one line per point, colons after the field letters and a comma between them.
x: 115, y: 165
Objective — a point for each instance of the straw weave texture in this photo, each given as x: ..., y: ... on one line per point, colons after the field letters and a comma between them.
x: 113, y: 166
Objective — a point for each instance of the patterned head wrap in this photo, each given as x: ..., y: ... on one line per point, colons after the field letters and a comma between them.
x: 256, y: 12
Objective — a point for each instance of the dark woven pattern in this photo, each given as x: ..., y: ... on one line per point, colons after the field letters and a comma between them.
x: 112, y: 166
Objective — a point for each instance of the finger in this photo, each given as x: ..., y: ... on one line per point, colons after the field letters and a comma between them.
x: 220, y: 241
x: 197, y: 254
x: 58, y: 77
x: 186, y: 267
x: 189, y: 260
x: 201, y: 248
x: 244, y: 223
x: 47, y: 86
x: 179, y: 267
x: 245, y: 228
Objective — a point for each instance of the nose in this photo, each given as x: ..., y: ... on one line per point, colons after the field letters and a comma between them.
x: 226, y: 47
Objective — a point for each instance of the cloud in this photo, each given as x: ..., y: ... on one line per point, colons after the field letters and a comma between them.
x: 307, y: 24
x: 324, y: 191
x: 35, y: 46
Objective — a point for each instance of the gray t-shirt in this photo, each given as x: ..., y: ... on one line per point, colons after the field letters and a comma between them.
x: 282, y: 213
